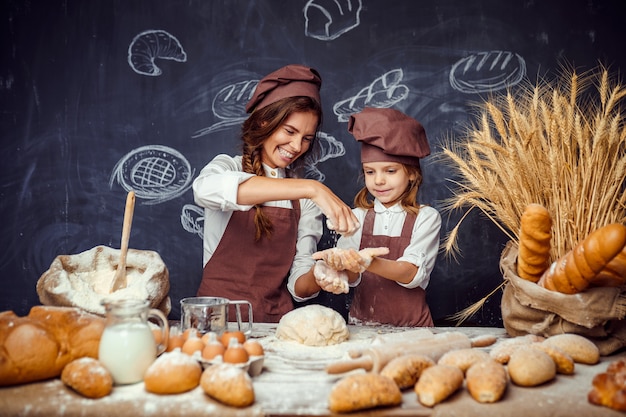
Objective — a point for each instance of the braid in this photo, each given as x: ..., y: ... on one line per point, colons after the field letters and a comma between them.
x: 251, y: 162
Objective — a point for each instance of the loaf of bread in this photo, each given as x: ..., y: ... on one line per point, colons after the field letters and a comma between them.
x: 577, y: 269
x: 614, y: 273
x: 88, y: 377
x: 534, y: 242
x: 173, y: 372
x: 437, y: 383
x: 405, y: 370
x: 362, y: 392
x: 38, y: 346
x: 463, y: 358
x: 609, y: 388
x: 486, y: 381
x: 228, y: 384
x: 579, y: 348
x: 529, y: 367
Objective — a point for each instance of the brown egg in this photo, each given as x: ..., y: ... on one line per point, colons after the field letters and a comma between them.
x: 226, y: 336
x: 175, y: 340
x: 212, y: 346
x: 190, y: 332
x: 193, y: 344
x: 235, y: 353
x: 253, y: 348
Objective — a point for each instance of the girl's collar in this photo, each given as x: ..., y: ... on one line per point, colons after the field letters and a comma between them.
x: 380, y: 207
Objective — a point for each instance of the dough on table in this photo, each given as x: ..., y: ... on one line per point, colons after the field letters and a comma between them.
x: 313, y: 325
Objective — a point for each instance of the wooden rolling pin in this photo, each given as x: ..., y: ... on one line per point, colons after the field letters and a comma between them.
x: 378, y: 355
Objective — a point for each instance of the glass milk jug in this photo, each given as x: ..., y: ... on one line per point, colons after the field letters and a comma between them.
x: 128, y: 346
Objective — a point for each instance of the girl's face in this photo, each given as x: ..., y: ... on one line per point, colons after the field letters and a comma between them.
x: 292, y: 139
x: 386, y: 181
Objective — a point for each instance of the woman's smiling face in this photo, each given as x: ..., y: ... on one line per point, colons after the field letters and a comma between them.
x: 292, y: 139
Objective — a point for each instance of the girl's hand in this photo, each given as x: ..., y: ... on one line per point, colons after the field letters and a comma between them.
x: 330, y: 280
x: 349, y: 259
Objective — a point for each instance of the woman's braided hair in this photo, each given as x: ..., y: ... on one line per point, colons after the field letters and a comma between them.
x: 259, y: 126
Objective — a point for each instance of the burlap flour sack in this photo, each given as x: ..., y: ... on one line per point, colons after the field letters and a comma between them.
x: 596, y: 313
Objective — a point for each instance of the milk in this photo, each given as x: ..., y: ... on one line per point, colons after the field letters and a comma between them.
x: 127, y: 349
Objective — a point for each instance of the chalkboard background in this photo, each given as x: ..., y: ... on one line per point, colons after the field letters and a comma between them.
x: 97, y: 97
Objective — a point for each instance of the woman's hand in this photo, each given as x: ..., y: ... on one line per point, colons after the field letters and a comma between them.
x: 340, y: 217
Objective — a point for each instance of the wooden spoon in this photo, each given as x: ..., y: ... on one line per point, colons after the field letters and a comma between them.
x: 119, y: 280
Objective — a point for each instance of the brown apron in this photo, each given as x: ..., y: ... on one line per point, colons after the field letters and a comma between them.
x: 380, y: 300
x: 244, y: 269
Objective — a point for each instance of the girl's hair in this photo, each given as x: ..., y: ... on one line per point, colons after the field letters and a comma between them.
x: 408, y: 200
x: 257, y: 128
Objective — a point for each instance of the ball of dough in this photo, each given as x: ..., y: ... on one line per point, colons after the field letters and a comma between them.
x: 173, y: 372
x: 88, y: 377
x: 313, y: 325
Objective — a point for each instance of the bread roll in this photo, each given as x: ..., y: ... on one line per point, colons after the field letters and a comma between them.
x: 581, y: 349
x: 88, y: 377
x: 363, y: 391
x: 228, y: 384
x: 529, y: 367
x: 406, y: 370
x: 502, y: 351
x: 486, y: 381
x: 563, y: 361
x: 172, y: 373
x: 437, y: 383
x: 463, y: 358
x: 534, y: 242
x: 38, y: 346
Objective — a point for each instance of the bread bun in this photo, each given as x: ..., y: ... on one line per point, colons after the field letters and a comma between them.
x: 486, y: 381
x: 88, y: 377
x: 363, y: 391
x: 228, y: 384
x: 581, y: 349
x: 405, y: 370
x: 609, y: 388
x: 437, y: 383
x: 463, y: 358
x: 529, y: 367
x: 173, y: 372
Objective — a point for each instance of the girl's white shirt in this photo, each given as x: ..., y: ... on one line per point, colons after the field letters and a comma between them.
x: 215, y: 189
x: 423, y: 247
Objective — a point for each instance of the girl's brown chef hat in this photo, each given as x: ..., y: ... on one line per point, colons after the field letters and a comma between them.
x: 388, y: 135
x: 288, y: 81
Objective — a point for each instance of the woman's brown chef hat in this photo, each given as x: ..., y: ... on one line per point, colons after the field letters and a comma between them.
x: 388, y: 135
x: 288, y: 81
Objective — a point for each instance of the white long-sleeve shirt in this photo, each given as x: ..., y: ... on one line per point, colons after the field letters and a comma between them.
x: 423, y: 247
x: 215, y: 189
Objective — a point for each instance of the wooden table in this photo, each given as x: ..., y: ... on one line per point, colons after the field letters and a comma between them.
x: 295, y: 384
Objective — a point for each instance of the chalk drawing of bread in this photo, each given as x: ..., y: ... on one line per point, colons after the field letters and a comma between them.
x: 230, y: 102
x: 487, y: 71
x: 383, y: 92
x: 326, y: 147
x: 192, y: 219
x: 328, y: 19
x: 150, y: 45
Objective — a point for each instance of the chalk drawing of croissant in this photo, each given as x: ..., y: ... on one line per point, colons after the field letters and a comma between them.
x: 150, y: 45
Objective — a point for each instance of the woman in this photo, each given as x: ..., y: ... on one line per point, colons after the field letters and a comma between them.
x: 396, y: 249
x: 261, y: 224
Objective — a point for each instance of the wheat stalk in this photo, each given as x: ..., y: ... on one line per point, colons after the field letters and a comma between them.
x: 556, y: 144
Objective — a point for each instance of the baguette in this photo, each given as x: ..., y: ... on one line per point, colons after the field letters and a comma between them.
x: 576, y: 271
x: 534, y: 242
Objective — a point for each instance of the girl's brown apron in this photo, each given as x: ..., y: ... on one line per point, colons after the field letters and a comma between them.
x: 380, y: 300
x: 244, y: 269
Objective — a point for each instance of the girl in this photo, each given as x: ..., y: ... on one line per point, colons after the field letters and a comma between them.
x: 260, y: 225
x: 391, y: 287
